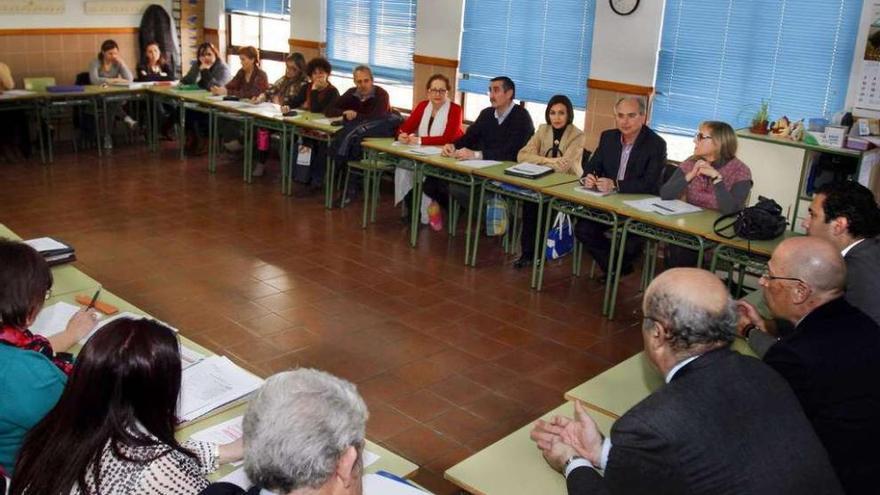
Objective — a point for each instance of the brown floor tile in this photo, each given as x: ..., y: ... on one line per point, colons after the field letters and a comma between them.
x: 420, y: 444
x: 421, y: 405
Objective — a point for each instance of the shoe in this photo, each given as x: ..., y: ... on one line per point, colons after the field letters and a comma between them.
x: 233, y: 146
x: 108, y: 143
x: 435, y: 217
x: 523, y: 261
x: 130, y: 122
x: 259, y: 169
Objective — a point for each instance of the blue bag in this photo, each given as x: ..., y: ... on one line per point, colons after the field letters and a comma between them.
x: 560, y: 239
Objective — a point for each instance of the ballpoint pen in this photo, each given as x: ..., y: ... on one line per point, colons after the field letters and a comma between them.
x: 94, y: 299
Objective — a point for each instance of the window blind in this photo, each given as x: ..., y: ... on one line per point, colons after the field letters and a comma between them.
x: 272, y: 7
x: 720, y: 58
x: 379, y: 33
x: 544, y: 46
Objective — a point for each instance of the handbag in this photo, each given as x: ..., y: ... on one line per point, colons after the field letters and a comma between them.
x: 496, y: 216
x: 761, y: 222
x: 560, y: 239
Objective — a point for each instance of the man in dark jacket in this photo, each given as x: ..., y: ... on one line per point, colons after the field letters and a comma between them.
x: 831, y: 359
x: 723, y: 423
x: 365, y: 100
x: 629, y: 159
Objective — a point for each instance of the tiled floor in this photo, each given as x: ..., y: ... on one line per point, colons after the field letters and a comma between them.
x: 449, y: 358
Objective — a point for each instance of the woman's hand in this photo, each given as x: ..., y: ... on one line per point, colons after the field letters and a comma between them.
x: 413, y: 139
x: 705, y: 169
x: 402, y: 137
x: 256, y: 100
x: 81, y: 323
x: 285, y: 108
x: 218, y: 91
x: 231, y: 452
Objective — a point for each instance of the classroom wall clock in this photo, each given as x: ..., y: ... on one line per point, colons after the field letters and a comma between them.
x: 624, y: 7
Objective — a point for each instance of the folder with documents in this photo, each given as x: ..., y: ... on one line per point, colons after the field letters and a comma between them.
x: 211, y: 384
x: 54, y: 251
x: 528, y: 170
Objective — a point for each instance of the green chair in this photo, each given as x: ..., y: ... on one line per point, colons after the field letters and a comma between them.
x: 372, y: 171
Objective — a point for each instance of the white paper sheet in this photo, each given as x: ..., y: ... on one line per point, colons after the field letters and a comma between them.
x: 222, y: 433
x: 45, y: 244
x: 212, y: 383
x: 189, y: 357
x: 426, y: 150
x: 529, y: 169
x: 124, y: 314
x: 53, y: 319
x: 375, y: 484
x: 592, y: 192
x: 663, y: 206
x: 13, y: 93
x: 478, y: 163
x: 240, y: 478
x: 326, y: 121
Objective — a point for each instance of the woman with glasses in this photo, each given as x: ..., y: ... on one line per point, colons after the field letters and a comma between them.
x: 434, y: 122
x: 713, y: 178
x: 557, y: 144
x: 32, y: 375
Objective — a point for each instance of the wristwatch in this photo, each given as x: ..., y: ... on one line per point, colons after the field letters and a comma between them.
x: 570, y: 460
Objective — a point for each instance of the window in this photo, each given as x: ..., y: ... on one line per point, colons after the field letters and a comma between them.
x: 720, y: 58
x: 264, y: 24
x: 378, y: 33
x: 544, y: 46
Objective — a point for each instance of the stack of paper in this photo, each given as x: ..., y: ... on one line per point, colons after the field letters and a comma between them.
x: 478, y: 163
x: 53, y: 319
x: 54, y: 251
x: 528, y: 170
x: 376, y: 484
x: 663, y: 206
x: 212, y: 383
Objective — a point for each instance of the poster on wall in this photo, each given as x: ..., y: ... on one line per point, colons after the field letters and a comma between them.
x: 868, y: 99
x: 192, y: 29
x: 31, y: 6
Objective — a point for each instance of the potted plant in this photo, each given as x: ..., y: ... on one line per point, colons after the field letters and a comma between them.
x: 761, y: 118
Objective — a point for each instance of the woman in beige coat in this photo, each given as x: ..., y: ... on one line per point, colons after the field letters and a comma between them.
x: 558, y: 144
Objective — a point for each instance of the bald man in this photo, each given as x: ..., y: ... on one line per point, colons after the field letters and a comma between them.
x: 832, y: 357
x: 705, y: 431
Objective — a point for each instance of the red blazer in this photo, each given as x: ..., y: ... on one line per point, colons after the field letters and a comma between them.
x: 453, y: 125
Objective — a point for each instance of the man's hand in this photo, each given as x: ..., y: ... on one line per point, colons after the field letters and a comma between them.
x: 604, y: 184
x: 584, y: 436
x: 544, y: 433
x: 559, y: 454
x: 589, y: 181
x: 748, y: 315
x: 448, y: 150
x: 465, y: 154
x: 349, y: 115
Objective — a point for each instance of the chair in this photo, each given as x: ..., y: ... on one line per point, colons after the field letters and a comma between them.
x: 38, y: 83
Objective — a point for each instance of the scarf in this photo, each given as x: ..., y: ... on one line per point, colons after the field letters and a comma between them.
x: 24, y: 339
x: 439, y: 125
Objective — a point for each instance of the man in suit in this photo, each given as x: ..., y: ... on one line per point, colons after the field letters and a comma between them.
x: 629, y: 159
x: 832, y: 357
x: 846, y: 214
x: 724, y: 423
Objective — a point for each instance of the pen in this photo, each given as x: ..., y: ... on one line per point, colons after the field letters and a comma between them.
x: 94, y: 299
x: 670, y: 210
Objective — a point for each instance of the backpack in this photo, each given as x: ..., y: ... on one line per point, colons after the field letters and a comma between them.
x: 761, y: 222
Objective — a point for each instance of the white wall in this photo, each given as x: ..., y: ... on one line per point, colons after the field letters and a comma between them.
x: 625, y: 47
x: 74, y: 17
x: 438, y: 28
x: 308, y: 20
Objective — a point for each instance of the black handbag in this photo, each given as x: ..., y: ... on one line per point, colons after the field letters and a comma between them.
x: 761, y: 222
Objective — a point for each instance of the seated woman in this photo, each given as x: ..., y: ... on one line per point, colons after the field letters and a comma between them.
x: 110, y: 68
x: 153, y: 66
x: 434, y: 122
x: 287, y: 86
x: 557, y: 144
x: 713, y: 178
x: 315, y: 97
x: 32, y: 375
x: 206, y: 72
x: 249, y: 82
x: 112, y: 431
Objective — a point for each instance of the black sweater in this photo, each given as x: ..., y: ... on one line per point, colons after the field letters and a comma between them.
x: 498, y: 142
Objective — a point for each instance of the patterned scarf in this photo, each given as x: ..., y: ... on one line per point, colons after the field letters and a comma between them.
x: 24, y: 339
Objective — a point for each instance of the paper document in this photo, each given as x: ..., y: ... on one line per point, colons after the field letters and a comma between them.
x: 478, y: 163
x: 529, y: 169
x: 189, y: 357
x: 376, y: 484
x: 225, y: 432
x: 592, y: 192
x: 12, y: 93
x: 326, y: 121
x: 214, y: 97
x: 53, y: 319
x: 426, y: 150
x: 43, y: 244
x: 211, y: 383
x: 663, y: 206
x: 240, y: 478
x: 104, y: 322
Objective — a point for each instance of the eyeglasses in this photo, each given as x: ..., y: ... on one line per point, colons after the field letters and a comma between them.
x: 438, y: 91
x: 765, y: 275
x: 700, y: 136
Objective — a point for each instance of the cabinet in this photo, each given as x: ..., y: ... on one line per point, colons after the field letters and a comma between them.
x: 785, y: 170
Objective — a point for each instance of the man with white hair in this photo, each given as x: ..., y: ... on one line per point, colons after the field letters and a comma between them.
x: 832, y: 357
x: 723, y: 423
x: 303, y: 434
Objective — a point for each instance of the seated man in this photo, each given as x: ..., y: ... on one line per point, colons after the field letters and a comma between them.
x: 832, y: 357
x: 303, y: 433
x: 723, y: 423
x: 629, y: 159
x: 365, y: 100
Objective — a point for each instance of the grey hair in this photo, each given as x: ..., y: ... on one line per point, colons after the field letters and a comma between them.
x: 363, y: 68
x: 298, y: 425
x: 640, y: 101
x: 692, y: 325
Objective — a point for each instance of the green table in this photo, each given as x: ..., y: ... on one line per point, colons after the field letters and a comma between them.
x: 530, y: 190
x: 514, y: 465
x: 313, y: 126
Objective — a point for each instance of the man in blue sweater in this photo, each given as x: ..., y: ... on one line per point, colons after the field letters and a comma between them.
x: 500, y: 130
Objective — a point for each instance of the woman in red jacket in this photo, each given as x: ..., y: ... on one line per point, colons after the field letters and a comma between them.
x: 434, y: 122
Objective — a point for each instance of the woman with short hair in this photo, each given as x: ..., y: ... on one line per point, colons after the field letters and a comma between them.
x: 112, y: 431
x: 712, y: 178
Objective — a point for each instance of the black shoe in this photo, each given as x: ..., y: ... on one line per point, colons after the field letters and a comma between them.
x: 523, y: 261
